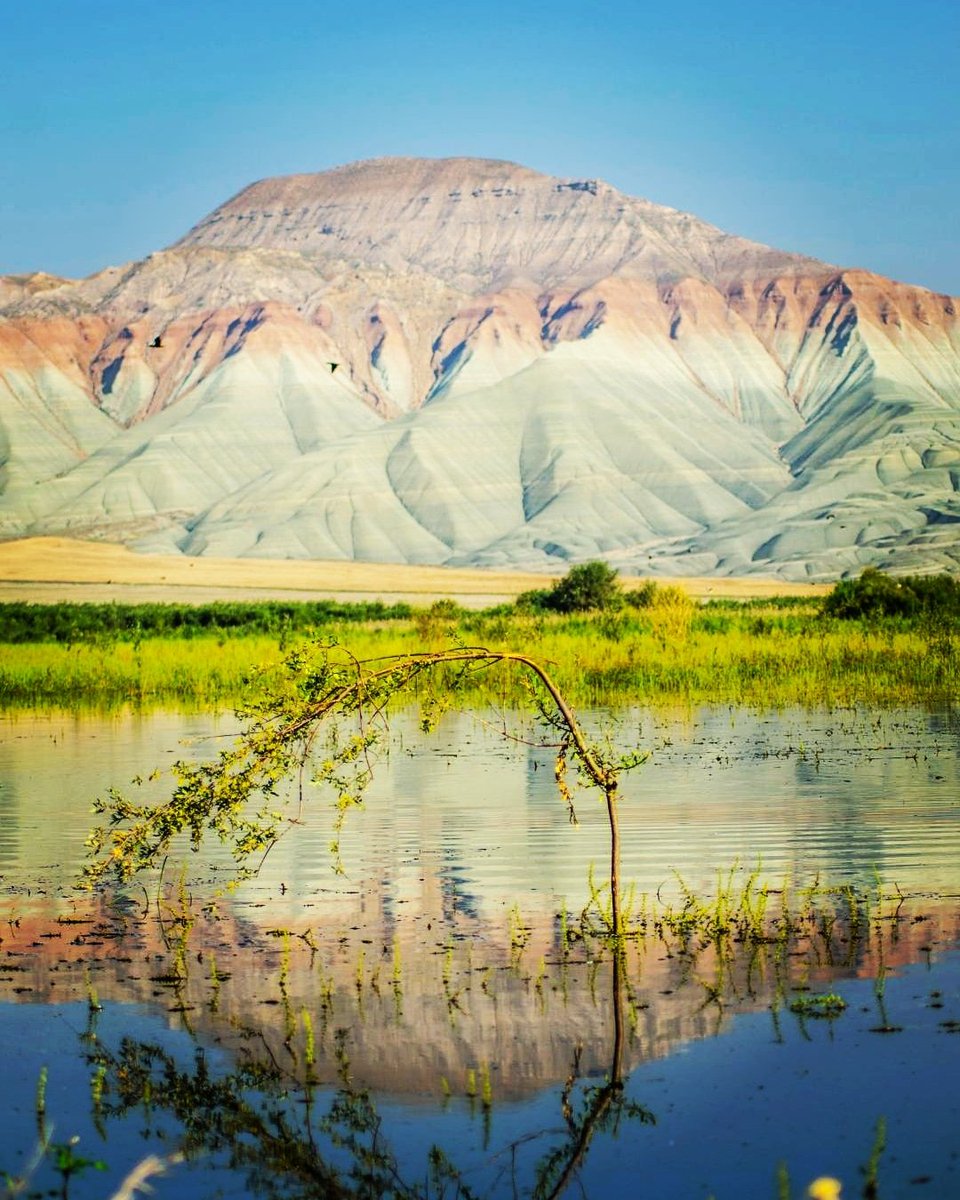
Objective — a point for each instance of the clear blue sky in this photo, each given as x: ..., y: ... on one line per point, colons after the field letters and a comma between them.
x: 827, y: 128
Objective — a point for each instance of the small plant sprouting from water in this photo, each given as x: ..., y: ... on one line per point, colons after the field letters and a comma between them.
x: 871, y: 1172
x: 40, y: 1103
x: 486, y: 1087
x: 517, y: 930
x: 447, y: 972
x: 397, y: 972
x: 310, y: 1046
x: 93, y: 998
x: 827, y: 1005
x: 880, y: 992
x: 216, y: 980
x: 563, y: 936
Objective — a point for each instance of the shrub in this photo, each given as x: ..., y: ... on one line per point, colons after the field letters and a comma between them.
x: 591, y: 585
x: 535, y: 601
x: 671, y: 612
x: 877, y: 595
x: 643, y: 596
x: 439, y: 620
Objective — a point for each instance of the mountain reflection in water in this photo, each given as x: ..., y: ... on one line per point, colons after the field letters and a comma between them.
x: 438, y: 982
x: 843, y: 794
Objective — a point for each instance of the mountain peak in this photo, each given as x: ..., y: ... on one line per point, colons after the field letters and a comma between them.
x: 395, y: 174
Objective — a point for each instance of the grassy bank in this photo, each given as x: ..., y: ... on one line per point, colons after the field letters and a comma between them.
x: 761, y: 653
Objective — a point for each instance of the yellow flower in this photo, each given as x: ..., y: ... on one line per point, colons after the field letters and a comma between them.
x: 825, y: 1188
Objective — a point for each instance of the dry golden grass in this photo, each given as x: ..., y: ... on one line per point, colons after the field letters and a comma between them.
x: 55, y: 569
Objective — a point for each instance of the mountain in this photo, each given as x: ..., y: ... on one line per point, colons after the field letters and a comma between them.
x: 465, y: 361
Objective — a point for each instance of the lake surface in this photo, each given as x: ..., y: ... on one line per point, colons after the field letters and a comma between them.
x: 428, y: 994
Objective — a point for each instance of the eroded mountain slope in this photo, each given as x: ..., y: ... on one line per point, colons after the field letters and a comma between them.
x: 465, y: 361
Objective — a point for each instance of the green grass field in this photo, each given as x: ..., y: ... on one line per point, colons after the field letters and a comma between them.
x: 760, y: 653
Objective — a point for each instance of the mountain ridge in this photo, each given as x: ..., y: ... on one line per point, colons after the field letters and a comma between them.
x: 390, y: 209
x: 529, y: 371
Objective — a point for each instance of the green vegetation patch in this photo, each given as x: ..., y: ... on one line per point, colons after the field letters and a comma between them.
x: 71, y: 623
x: 650, y: 645
x: 824, y: 1006
x: 877, y: 595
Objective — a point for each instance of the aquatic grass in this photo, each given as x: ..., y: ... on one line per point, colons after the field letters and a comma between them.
x: 744, y: 916
x: 93, y: 998
x: 518, y: 930
x: 309, y: 1048
x: 205, y: 671
x: 397, y: 972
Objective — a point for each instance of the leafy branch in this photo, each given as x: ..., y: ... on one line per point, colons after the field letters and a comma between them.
x: 319, y: 719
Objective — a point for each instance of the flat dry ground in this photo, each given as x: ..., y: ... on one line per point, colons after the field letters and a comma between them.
x: 55, y: 569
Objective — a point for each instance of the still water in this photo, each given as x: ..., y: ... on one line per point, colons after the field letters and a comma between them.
x: 427, y: 996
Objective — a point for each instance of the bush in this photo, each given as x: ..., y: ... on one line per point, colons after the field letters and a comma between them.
x: 535, y: 601
x: 877, y: 595
x: 588, y: 586
x: 643, y: 596
x: 440, y: 619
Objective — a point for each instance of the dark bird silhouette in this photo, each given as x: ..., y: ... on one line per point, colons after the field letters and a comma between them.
x: 157, y: 343
x: 332, y: 366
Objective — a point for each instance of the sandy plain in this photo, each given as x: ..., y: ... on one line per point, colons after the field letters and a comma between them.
x: 53, y: 569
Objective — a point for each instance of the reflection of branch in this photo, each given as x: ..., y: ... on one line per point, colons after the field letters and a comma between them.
x: 253, y: 1115
x: 217, y: 1116
x: 605, y: 1106
x: 137, y: 1180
